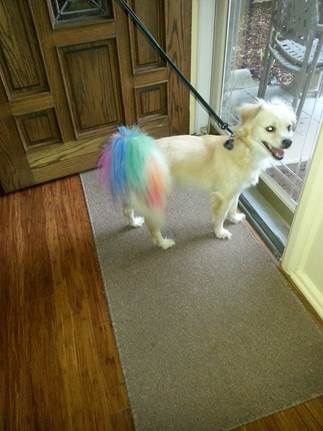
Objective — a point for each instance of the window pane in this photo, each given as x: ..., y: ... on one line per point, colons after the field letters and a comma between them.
x: 71, y: 10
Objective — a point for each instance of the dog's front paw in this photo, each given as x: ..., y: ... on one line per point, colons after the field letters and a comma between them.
x: 222, y: 233
x: 236, y: 217
x: 166, y: 243
x: 136, y: 221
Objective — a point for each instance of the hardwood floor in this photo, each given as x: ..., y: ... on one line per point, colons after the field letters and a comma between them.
x: 304, y: 417
x: 60, y: 365
x: 59, y: 362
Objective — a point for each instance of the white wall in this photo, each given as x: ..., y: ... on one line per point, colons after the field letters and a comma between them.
x: 303, y: 258
x: 204, y: 50
x: 313, y: 265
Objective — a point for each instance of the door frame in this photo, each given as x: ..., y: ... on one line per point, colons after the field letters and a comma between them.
x: 305, y: 244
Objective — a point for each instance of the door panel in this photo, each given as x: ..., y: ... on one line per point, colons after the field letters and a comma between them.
x: 38, y: 128
x: 151, y: 101
x: 94, y: 107
x: 19, y: 41
x: 72, y: 72
x: 144, y: 56
x: 15, y: 171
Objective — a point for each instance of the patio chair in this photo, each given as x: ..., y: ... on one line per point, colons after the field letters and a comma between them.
x: 294, y: 41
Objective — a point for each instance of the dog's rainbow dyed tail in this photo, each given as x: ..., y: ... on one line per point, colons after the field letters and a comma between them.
x: 132, y: 165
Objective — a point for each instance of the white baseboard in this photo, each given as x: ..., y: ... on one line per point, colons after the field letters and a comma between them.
x: 309, y: 290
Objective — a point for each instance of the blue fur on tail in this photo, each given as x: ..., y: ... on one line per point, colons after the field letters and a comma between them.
x: 131, y: 164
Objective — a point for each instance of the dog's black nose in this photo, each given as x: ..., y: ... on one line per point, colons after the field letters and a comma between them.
x: 286, y: 143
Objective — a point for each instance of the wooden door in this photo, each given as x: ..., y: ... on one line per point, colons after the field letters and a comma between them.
x: 73, y: 70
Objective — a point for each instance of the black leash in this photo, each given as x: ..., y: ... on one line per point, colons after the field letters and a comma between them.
x: 155, y: 44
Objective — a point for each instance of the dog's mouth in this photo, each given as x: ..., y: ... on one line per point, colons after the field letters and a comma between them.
x: 277, y: 153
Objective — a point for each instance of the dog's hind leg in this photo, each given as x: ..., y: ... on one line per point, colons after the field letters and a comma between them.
x: 156, y: 235
x: 233, y: 215
x: 132, y: 220
x: 220, y: 207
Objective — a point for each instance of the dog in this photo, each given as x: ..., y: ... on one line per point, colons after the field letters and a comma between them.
x: 140, y: 170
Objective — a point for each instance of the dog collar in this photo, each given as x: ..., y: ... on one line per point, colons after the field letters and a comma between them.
x: 229, y: 144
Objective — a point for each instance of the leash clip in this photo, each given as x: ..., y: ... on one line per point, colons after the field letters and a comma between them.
x: 224, y: 126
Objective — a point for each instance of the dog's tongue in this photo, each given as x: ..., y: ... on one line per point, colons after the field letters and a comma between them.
x: 278, y: 153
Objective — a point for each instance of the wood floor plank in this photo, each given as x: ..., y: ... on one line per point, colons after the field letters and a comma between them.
x: 311, y: 423
x: 303, y: 417
x: 316, y: 409
x: 290, y: 420
x: 60, y: 366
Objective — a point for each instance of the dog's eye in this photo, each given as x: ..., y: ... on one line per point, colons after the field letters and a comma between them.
x: 289, y: 128
x: 270, y: 129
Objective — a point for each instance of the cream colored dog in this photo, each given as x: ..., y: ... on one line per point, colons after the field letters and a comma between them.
x: 224, y: 168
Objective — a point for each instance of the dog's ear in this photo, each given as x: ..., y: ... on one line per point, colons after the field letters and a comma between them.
x: 249, y: 110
